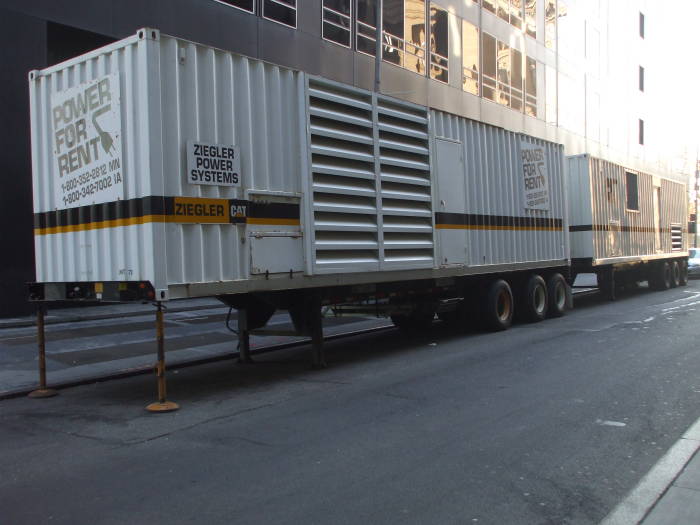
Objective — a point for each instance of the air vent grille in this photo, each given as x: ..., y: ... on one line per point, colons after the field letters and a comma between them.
x: 369, y: 181
x: 676, y: 237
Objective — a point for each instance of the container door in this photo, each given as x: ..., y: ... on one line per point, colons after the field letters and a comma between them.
x: 614, y: 224
x: 451, y: 205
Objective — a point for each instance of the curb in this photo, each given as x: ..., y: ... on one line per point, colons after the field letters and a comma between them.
x: 651, y: 489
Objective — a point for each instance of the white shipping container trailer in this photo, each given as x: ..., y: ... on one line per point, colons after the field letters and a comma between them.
x: 165, y: 169
x: 626, y: 225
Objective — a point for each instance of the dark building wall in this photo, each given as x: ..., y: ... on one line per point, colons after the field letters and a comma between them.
x: 22, y: 47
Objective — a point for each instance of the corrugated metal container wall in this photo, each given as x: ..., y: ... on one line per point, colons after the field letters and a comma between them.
x: 368, y: 177
x: 213, y: 96
x: 68, y: 252
x: 632, y: 215
x: 171, y: 92
x: 580, y: 211
x: 498, y: 229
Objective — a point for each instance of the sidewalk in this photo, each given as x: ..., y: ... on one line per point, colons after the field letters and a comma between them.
x: 94, y: 343
x: 680, y: 503
x: 109, y: 311
x: 669, y: 494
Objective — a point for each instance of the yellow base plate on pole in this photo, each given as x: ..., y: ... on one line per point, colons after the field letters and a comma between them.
x: 167, y: 406
x: 42, y: 392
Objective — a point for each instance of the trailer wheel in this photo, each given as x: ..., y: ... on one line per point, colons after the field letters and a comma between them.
x: 556, y: 292
x: 683, y: 281
x: 534, y: 300
x: 660, y: 278
x: 497, y: 314
x: 675, y: 274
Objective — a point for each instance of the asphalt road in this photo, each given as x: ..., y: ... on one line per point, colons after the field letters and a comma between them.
x: 547, y: 423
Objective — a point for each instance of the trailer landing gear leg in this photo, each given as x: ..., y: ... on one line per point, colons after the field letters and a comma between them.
x: 42, y: 391
x: 162, y: 405
x: 243, y: 338
x: 318, y: 355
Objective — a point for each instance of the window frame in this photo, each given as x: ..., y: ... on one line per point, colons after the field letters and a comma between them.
x: 470, y: 69
x: 358, y: 34
x: 253, y: 12
x: 283, y: 4
x: 445, y: 59
x: 530, y: 99
x: 349, y: 29
x: 487, y: 81
x: 526, y: 26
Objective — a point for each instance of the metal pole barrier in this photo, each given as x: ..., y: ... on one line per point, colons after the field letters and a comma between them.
x: 42, y: 391
x: 162, y: 405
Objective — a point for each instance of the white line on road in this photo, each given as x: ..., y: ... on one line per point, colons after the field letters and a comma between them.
x: 606, y: 423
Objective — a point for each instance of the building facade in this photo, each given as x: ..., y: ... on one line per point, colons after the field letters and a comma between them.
x: 569, y: 71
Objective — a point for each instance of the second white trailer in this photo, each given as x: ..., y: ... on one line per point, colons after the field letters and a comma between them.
x: 628, y: 223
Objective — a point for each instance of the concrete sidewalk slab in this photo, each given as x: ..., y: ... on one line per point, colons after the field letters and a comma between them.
x: 110, y: 311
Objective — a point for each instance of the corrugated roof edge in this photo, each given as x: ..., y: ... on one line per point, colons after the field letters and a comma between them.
x: 145, y: 33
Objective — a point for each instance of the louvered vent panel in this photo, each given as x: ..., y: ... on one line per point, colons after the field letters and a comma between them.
x: 404, y: 159
x: 343, y: 181
x: 676, y: 237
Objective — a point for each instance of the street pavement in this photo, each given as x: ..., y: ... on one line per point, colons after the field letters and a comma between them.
x: 565, y: 421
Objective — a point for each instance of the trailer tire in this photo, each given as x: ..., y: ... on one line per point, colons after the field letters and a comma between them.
x: 557, y: 295
x: 497, y: 312
x: 533, y: 304
x: 660, y: 278
x: 675, y: 274
x: 683, y: 281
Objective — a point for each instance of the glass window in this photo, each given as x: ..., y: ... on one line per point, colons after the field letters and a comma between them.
x: 531, y: 18
x: 550, y: 84
x: 470, y: 58
x: 641, y: 131
x: 632, y: 191
x: 336, y: 21
x: 550, y: 23
x: 641, y: 78
x: 490, y: 5
x: 439, y: 42
x: 415, y: 36
x: 516, y: 13
x: 641, y: 25
x: 392, y: 31
x: 503, y: 9
x: 504, y: 70
x: 366, y: 26
x: 488, y: 44
x: 530, y: 87
x: 282, y: 11
x: 246, y: 5
x: 516, y: 80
